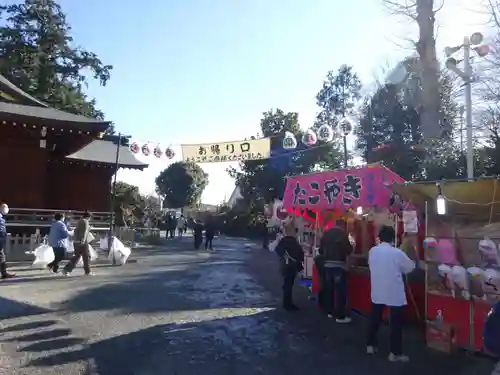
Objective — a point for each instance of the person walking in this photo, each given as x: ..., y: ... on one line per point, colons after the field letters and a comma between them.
x: 292, y: 257
x: 335, y: 249
x: 387, y: 266
x: 58, y: 240
x: 197, y: 234
x: 81, y: 241
x: 181, y: 222
x: 491, y: 335
x: 209, y: 234
x: 4, y: 210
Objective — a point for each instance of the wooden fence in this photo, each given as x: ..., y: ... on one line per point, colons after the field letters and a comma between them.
x: 20, y: 246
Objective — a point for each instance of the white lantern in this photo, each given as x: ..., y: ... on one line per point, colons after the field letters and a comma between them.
x: 345, y: 126
x: 135, y: 148
x: 325, y: 133
x: 309, y: 138
x: 158, y: 152
x: 146, y: 150
x: 169, y: 153
x: 289, y: 142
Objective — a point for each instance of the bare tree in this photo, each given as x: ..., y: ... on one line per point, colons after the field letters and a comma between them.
x: 423, y: 13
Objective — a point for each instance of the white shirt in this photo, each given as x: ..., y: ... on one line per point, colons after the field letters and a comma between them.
x: 387, y: 266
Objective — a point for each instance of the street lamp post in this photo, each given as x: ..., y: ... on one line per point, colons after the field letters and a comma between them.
x: 470, y: 43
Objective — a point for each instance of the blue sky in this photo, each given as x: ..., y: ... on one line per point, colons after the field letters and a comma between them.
x: 189, y: 71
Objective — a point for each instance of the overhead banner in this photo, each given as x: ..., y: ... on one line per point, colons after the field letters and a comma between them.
x: 253, y: 149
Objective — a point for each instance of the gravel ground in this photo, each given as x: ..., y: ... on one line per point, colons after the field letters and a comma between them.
x: 178, y: 311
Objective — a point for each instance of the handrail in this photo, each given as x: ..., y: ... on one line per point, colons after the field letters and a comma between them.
x: 57, y: 210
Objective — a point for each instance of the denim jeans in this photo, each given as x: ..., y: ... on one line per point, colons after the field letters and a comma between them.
x: 396, y: 315
x: 335, y: 283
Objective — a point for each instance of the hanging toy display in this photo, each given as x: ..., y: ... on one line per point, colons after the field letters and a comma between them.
x: 158, y: 152
x: 289, y: 142
x: 146, y: 151
x: 309, y: 138
x: 135, y: 148
x: 169, y: 153
x: 325, y: 133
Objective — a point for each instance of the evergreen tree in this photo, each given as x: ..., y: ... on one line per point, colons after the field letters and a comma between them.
x: 37, y: 54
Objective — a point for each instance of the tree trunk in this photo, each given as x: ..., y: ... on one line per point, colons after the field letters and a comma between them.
x: 426, y: 47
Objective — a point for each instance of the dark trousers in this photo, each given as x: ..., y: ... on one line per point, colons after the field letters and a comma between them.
x: 396, y: 319
x: 335, y: 285
x: 208, y: 242
x: 3, y: 257
x: 59, y: 253
x: 81, y: 251
x: 171, y: 233
x: 289, y: 276
x: 197, y: 241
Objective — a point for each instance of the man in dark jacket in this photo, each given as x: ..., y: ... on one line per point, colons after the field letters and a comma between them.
x: 335, y: 249
x: 4, y: 210
x: 209, y: 234
x: 197, y: 234
x: 292, y: 257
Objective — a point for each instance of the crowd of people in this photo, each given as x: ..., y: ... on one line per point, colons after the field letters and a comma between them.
x: 201, y: 230
x: 58, y: 239
x: 388, y: 266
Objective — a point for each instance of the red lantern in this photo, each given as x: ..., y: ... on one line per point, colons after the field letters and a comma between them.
x: 158, y: 152
x: 169, y: 153
x: 134, y: 147
x: 146, y: 151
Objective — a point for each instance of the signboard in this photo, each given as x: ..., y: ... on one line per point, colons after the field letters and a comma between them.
x: 253, y: 149
x: 341, y: 189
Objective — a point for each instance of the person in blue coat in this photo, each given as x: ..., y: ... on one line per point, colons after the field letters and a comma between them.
x: 58, y: 240
x: 4, y: 210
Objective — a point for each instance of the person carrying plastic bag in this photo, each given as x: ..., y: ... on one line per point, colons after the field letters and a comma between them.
x: 58, y: 240
x: 81, y: 240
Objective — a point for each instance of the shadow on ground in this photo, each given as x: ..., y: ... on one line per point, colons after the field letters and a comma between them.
x: 263, y: 343
x: 13, y: 309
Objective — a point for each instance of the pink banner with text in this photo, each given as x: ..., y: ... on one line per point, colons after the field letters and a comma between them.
x: 341, y: 189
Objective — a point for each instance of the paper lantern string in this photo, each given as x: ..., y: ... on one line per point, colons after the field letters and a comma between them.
x: 158, y: 152
x: 169, y: 153
x: 135, y: 148
x: 309, y: 138
x: 146, y: 151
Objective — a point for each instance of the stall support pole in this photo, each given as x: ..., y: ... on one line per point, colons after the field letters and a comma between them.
x: 426, y: 275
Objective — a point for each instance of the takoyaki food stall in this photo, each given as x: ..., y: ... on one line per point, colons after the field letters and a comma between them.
x: 360, y: 200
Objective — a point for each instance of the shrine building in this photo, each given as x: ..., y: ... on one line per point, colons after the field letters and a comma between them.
x: 53, y: 160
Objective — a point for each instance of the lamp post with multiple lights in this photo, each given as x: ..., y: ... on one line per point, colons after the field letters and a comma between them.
x: 474, y: 42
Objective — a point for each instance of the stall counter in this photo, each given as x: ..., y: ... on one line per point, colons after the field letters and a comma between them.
x: 359, y: 293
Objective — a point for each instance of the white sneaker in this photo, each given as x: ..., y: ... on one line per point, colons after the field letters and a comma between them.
x: 90, y: 274
x: 65, y: 273
x: 371, y: 350
x: 330, y: 316
x: 346, y: 320
x: 398, y: 358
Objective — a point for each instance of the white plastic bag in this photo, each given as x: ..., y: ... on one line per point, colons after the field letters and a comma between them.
x: 44, y: 254
x: 119, y: 253
x: 93, y: 256
x: 272, y: 245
